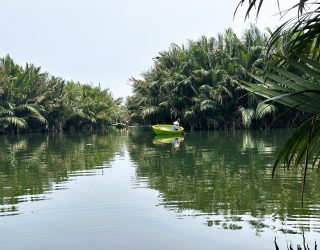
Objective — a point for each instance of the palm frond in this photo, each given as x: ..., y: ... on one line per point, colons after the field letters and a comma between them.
x: 289, y: 88
x: 15, y: 121
x: 34, y: 112
x: 4, y: 111
x: 207, y: 105
x: 80, y: 113
x: 303, y: 27
x: 302, y: 147
x: 149, y: 111
x: 189, y: 114
x: 264, y: 109
x: 295, y: 91
x: 247, y: 116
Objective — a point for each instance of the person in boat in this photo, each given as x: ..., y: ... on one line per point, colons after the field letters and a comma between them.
x: 175, y: 126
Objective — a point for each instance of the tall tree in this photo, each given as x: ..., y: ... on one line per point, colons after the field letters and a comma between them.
x: 31, y: 100
x: 199, y: 83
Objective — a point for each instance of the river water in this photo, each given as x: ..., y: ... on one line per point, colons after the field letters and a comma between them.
x: 127, y: 189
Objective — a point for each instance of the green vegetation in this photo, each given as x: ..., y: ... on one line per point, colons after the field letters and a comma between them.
x: 223, y: 83
x: 31, y: 100
x: 199, y: 83
x: 226, y: 176
x: 295, y: 81
x: 31, y: 166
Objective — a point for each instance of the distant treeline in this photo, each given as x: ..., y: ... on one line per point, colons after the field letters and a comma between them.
x: 31, y: 100
x: 199, y: 83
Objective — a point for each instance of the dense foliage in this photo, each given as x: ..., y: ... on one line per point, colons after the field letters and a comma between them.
x: 31, y: 100
x: 295, y: 80
x: 199, y: 83
x: 302, y: 19
x: 222, y: 175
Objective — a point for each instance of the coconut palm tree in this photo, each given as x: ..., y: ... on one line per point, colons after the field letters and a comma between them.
x: 17, y: 108
x: 199, y: 82
x: 33, y: 100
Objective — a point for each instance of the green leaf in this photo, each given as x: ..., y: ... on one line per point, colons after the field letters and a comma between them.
x: 15, y: 121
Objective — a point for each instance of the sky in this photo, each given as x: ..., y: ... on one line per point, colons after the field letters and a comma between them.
x: 107, y: 42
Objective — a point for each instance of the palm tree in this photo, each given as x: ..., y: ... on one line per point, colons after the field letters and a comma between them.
x: 299, y: 92
x: 33, y: 100
x: 294, y: 81
x: 304, y: 26
x: 199, y: 82
x: 16, y: 108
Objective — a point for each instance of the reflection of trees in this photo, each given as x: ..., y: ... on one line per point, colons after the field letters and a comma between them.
x: 35, y: 164
x: 228, y: 174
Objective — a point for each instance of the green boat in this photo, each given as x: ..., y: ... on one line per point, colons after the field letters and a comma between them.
x: 120, y: 125
x: 165, y: 129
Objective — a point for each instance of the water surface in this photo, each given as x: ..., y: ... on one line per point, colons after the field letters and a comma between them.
x: 129, y: 190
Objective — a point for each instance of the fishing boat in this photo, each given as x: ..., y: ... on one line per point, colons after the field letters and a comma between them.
x: 164, y: 129
x: 120, y: 125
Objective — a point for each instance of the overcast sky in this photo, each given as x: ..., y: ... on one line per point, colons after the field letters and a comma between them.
x: 109, y: 41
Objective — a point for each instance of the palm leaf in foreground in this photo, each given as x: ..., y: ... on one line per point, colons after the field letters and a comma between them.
x: 298, y: 92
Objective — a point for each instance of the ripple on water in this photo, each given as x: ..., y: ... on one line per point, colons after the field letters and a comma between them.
x: 221, y: 180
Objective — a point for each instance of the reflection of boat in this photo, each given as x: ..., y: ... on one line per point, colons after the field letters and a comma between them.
x: 120, y: 125
x: 165, y: 139
x: 166, y: 130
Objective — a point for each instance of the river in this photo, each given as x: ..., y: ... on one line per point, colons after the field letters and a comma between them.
x: 127, y: 189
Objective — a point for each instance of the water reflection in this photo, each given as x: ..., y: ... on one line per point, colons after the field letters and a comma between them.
x: 168, y: 139
x: 225, y: 177
x: 33, y: 165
